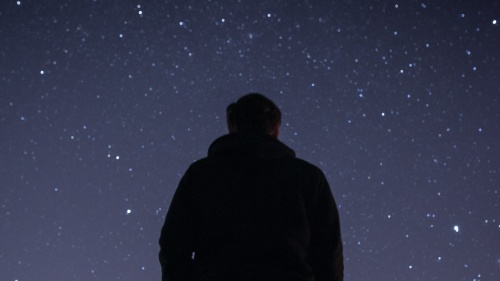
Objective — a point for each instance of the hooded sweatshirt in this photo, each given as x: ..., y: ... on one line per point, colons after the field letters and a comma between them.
x: 251, y: 210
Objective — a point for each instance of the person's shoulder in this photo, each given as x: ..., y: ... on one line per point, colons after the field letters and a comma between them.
x: 196, y: 169
x: 200, y: 163
x: 305, y: 165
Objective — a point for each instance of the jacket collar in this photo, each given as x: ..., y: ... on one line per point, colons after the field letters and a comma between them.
x: 258, y: 145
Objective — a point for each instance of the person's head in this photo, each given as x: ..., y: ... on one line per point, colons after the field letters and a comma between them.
x: 253, y: 113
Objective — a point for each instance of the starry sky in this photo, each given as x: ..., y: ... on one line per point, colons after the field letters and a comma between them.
x: 104, y: 104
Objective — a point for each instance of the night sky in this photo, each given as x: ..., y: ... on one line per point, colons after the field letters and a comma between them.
x: 104, y: 104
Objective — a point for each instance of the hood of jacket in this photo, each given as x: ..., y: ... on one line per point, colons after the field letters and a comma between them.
x: 253, y: 145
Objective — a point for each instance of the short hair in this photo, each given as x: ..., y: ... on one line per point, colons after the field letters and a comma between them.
x: 253, y: 113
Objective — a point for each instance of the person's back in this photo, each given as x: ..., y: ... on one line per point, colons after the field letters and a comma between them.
x: 252, y: 211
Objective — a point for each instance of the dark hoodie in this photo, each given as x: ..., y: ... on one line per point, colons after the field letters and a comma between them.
x: 251, y: 210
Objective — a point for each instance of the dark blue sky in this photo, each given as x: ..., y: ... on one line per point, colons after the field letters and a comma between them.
x: 104, y: 104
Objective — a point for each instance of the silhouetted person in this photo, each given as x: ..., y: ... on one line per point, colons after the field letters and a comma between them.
x: 251, y: 210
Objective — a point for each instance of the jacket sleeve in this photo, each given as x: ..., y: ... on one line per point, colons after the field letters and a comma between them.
x: 326, y: 253
x: 178, y: 235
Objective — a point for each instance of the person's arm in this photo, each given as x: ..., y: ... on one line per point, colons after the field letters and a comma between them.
x: 178, y: 235
x: 326, y: 254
